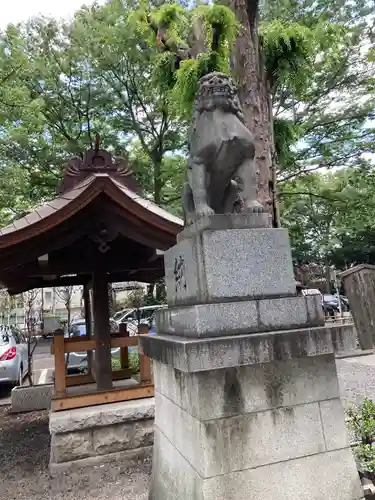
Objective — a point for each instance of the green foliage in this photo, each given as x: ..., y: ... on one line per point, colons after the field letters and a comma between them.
x: 187, y: 81
x: 365, y: 456
x: 133, y: 362
x: 66, y: 81
x: 332, y: 102
x: 286, y: 134
x: 288, y: 51
x: 362, y: 424
x: 330, y: 216
x: 221, y: 29
x: 164, y: 71
x: 181, y: 77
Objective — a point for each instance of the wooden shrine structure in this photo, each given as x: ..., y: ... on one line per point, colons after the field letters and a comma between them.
x: 98, y: 230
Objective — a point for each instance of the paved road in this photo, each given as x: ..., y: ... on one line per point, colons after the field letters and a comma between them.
x: 42, y: 369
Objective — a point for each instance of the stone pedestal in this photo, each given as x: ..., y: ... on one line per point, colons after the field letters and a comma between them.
x: 246, y: 392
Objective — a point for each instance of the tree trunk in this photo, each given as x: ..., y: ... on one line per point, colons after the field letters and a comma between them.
x: 158, y: 182
x: 253, y: 88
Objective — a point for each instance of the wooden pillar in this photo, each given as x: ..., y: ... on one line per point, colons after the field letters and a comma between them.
x: 60, y: 370
x: 124, y: 351
x: 145, y: 370
x: 88, y: 322
x: 103, y: 364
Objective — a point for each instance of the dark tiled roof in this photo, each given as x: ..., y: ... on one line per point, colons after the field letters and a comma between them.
x: 51, y: 207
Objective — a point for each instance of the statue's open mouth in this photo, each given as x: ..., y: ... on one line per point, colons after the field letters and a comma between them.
x: 215, y: 90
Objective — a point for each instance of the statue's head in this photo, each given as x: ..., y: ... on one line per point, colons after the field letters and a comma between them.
x: 218, y: 90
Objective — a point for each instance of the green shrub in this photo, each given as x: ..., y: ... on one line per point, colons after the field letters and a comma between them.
x: 133, y: 362
x: 362, y: 424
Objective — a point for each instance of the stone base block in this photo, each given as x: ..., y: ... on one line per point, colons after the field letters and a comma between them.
x: 37, y: 397
x: 323, y: 476
x: 265, y: 431
x: 229, y: 221
x: 201, y: 354
x: 100, y: 431
x: 232, y: 264
x: 196, y: 355
x: 227, y: 318
x: 281, y: 384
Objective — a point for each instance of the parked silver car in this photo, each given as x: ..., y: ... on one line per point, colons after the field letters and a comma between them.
x: 13, y: 356
x: 77, y: 361
x: 133, y: 317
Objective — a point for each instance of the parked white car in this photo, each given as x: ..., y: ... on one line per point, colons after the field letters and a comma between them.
x: 134, y: 317
x: 13, y: 356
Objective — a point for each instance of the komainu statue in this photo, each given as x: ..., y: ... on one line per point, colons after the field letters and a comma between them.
x: 221, y: 172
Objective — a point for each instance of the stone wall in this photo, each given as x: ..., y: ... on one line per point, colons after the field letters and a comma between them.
x: 101, y: 433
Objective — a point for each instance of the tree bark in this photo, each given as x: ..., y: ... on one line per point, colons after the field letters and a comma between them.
x: 253, y: 89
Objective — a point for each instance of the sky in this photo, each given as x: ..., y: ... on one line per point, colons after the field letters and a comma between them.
x: 14, y: 11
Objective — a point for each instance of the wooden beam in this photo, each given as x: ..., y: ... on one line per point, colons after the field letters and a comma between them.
x: 103, y: 359
x: 84, y: 344
x: 87, y: 378
x: 98, y: 398
x: 79, y: 379
x: 122, y: 374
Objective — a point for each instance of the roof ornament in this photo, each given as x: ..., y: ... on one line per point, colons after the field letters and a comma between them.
x: 98, y: 161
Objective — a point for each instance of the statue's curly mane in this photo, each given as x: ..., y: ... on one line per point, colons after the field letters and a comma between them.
x: 218, y: 91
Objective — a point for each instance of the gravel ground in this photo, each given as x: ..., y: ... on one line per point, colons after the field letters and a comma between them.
x: 356, y: 379
x: 24, y: 455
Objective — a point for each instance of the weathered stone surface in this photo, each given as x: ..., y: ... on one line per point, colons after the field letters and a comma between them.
x: 101, y: 431
x: 344, y: 338
x: 209, y: 320
x: 112, y: 438
x: 232, y: 318
x: 37, y: 397
x: 228, y: 221
x: 243, y: 441
x: 172, y: 476
x: 130, y: 457
x: 324, y: 476
x: 71, y: 446
x: 333, y: 419
x: 232, y: 264
x: 272, y: 385
x: 290, y: 312
x: 101, y: 415
x: 143, y: 434
x: 194, y: 355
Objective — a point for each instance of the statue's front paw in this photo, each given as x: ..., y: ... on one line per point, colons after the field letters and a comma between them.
x: 254, y: 207
x: 204, y: 211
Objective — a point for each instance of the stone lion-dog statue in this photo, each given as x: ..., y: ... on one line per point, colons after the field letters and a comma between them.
x: 221, y: 175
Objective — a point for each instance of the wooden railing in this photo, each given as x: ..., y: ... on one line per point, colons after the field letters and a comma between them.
x: 122, y: 340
